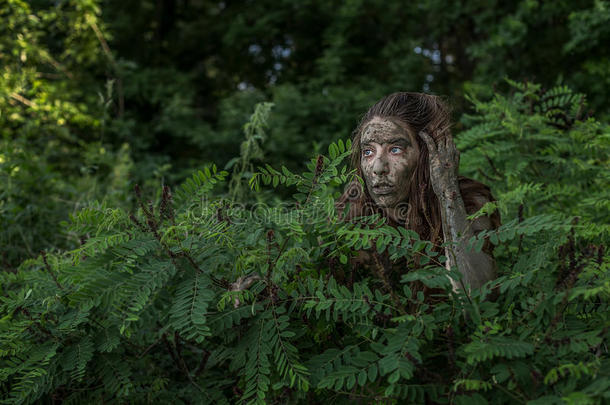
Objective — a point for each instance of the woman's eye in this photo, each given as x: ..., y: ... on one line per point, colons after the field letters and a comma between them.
x: 395, y: 149
x: 367, y: 152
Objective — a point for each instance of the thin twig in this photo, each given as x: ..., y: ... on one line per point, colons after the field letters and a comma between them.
x: 204, y: 361
x: 49, y: 270
x: 57, y: 65
x: 23, y: 100
x: 108, y: 52
x: 386, y: 283
x: 491, y: 163
x: 180, y: 364
x: 153, y: 344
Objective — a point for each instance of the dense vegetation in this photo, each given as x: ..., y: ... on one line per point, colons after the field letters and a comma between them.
x: 136, y: 295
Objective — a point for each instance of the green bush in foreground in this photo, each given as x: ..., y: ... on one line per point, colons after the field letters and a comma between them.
x: 152, y: 307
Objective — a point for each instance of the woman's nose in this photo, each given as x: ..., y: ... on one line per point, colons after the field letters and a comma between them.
x: 380, y: 166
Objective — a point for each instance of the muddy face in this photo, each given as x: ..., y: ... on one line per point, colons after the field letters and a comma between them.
x: 388, y: 157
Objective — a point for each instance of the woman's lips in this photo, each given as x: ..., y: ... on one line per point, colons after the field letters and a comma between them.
x: 383, y: 189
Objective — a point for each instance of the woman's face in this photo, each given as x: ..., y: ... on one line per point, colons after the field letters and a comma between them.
x: 388, y: 156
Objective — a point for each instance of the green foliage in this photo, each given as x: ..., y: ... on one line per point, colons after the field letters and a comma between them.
x: 201, y: 299
x: 539, y: 149
x: 97, y: 95
x: 54, y: 157
x: 134, y: 301
x: 193, y: 70
x: 250, y: 148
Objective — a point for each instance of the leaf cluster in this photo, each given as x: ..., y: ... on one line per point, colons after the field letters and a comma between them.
x: 152, y: 307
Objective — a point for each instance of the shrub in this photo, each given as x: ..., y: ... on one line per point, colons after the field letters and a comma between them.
x: 153, y: 307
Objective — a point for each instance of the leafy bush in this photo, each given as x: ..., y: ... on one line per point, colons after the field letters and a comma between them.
x: 197, y: 298
x: 55, y: 154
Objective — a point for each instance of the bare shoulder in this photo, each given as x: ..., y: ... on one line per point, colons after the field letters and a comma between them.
x: 475, y: 195
x: 481, y: 223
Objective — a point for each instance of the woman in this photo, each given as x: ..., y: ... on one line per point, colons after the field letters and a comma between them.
x: 404, y: 152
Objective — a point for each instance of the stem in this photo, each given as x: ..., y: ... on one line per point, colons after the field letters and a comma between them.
x: 386, y: 283
x: 180, y: 363
x: 108, y: 53
x: 49, y: 270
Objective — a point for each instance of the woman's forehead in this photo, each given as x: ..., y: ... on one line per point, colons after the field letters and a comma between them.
x: 381, y: 130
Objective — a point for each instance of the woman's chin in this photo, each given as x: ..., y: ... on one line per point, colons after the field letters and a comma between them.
x: 384, y: 201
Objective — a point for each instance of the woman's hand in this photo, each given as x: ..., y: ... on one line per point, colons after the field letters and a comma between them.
x: 476, y: 267
x: 444, y: 161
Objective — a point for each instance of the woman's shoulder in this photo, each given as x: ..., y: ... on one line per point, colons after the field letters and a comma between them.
x: 475, y: 195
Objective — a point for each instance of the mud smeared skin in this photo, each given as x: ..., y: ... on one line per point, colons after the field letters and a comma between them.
x: 389, y: 153
x: 476, y: 267
x: 436, y: 201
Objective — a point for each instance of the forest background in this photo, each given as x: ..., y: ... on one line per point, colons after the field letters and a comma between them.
x: 98, y: 96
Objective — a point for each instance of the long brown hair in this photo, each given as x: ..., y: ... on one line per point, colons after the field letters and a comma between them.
x: 419, y: 112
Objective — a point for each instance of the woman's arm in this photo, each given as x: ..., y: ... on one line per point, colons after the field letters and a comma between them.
x: 476, y: 267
